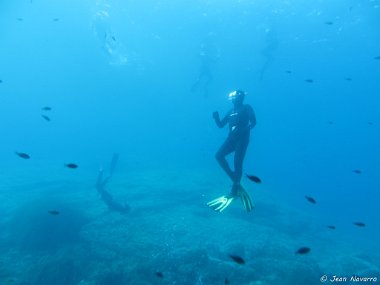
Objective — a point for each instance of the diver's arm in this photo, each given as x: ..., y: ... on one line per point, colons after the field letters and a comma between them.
x: 252, y: 118
x: 220, y: 123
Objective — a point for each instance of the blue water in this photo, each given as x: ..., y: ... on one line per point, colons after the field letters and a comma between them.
x: 141, y: 79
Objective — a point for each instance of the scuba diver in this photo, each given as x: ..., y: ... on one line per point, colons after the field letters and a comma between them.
x: 268, y: 51
x: 106, y: 196
x: 241, y: 120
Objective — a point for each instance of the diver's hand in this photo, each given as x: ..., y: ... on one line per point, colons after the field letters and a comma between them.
x: 215, y: 115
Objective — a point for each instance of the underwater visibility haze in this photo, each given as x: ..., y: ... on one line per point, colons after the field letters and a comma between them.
x: 110, y: 170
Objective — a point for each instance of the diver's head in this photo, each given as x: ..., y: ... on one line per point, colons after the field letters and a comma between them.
x: 237, y: 97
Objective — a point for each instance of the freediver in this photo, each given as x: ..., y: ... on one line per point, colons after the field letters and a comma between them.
x: 241, y: 119
x: 104, y: 194
x: 205, y: 75
x: 270, y: 47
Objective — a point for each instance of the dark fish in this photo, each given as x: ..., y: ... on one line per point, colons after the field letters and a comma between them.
x: 370, y: 123
x: 359, y: 224
x: 23, y: 155
x: 357, y: 171
x: 159, y: 274
x: 20, y: 19
x: 1, y: 81
x: 226, y: 281
x: 253, y: 178
x: 377, y: 57
x: 330, y: 122
x: 54, y: 212
x: 47, y: 108
x: 114, y: 39
x: 311, y: 199
x: 56, y: 19
x: 71, y: 165
x: 309, y: 80
x: 46, y: 118
x: 329, y: 23
x: 331, y: 227
x: 288, y: 71
x: 237, y: 259
x: 348, y: 79
x: 303, y: 250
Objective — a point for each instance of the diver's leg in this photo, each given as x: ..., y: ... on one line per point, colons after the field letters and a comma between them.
x: 227, y: 147
x: 241, y: 149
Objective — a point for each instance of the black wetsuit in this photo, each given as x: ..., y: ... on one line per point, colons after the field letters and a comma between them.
x: 241, y: 120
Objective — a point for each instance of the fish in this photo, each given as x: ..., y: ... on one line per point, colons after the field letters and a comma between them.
x: 348, y: 79
x: 311, y: 199
x: 56, y: 19
x: 253, y: 178
x: 20, y: 19
x: 330, y: 122
x: 309, y: 80
x: 54, y: 212
x: 159, y: 274
x: 1, y: 81
x: 370, y: 123
x: 23, y: 155
x: 46, y: 118
x: 288, y: 71
x: 303, y: 250
x: 357, y: 171
x: 46, y: 108
x: 359, y: 224
x: 226, y: 281
x: 71, y: 165
x: 377, y: 57
x: 237, y: 259
x: 331, y: 227
x: 329, y: 23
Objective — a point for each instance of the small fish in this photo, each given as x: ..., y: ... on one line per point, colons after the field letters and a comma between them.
x: 330, y: 122
x: 309, y: 80
x: 54, y: 212
x: 370, y: 123
x: 20, y: 19
x: 159, y: 274
x: 357, y: 171
x: 46, y: 118
x: 47, y: 108
x: 331, y: 227
x: 288, y: 71
x: 303, y: 250
x: 71, y: 165
x: 114, y: 39
x: 377, y: 57
x: 348, y: 79
x: 56, y: 19
x: 359, y: 224
x: 329, y: 23
x: 226, y: 281
x: 253, y: 178
x: 1, y: 81
x: 23, y: 155
x: 311, y: 199
x: 237, y: 259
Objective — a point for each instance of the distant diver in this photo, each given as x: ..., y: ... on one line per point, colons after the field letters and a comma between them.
x: 268, y: 51
x: 241, y: 120
x: 208, y: 56
x: 106, y: 196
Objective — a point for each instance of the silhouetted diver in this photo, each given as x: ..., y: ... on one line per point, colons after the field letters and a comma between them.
x: 105, y: 196
x: 268, y: 51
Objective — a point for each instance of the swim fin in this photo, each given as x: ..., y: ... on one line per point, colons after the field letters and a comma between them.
x: 245, y: 199
x: 221, y: 203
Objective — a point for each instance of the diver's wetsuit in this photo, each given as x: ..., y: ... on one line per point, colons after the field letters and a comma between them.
x: 241, y: 120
